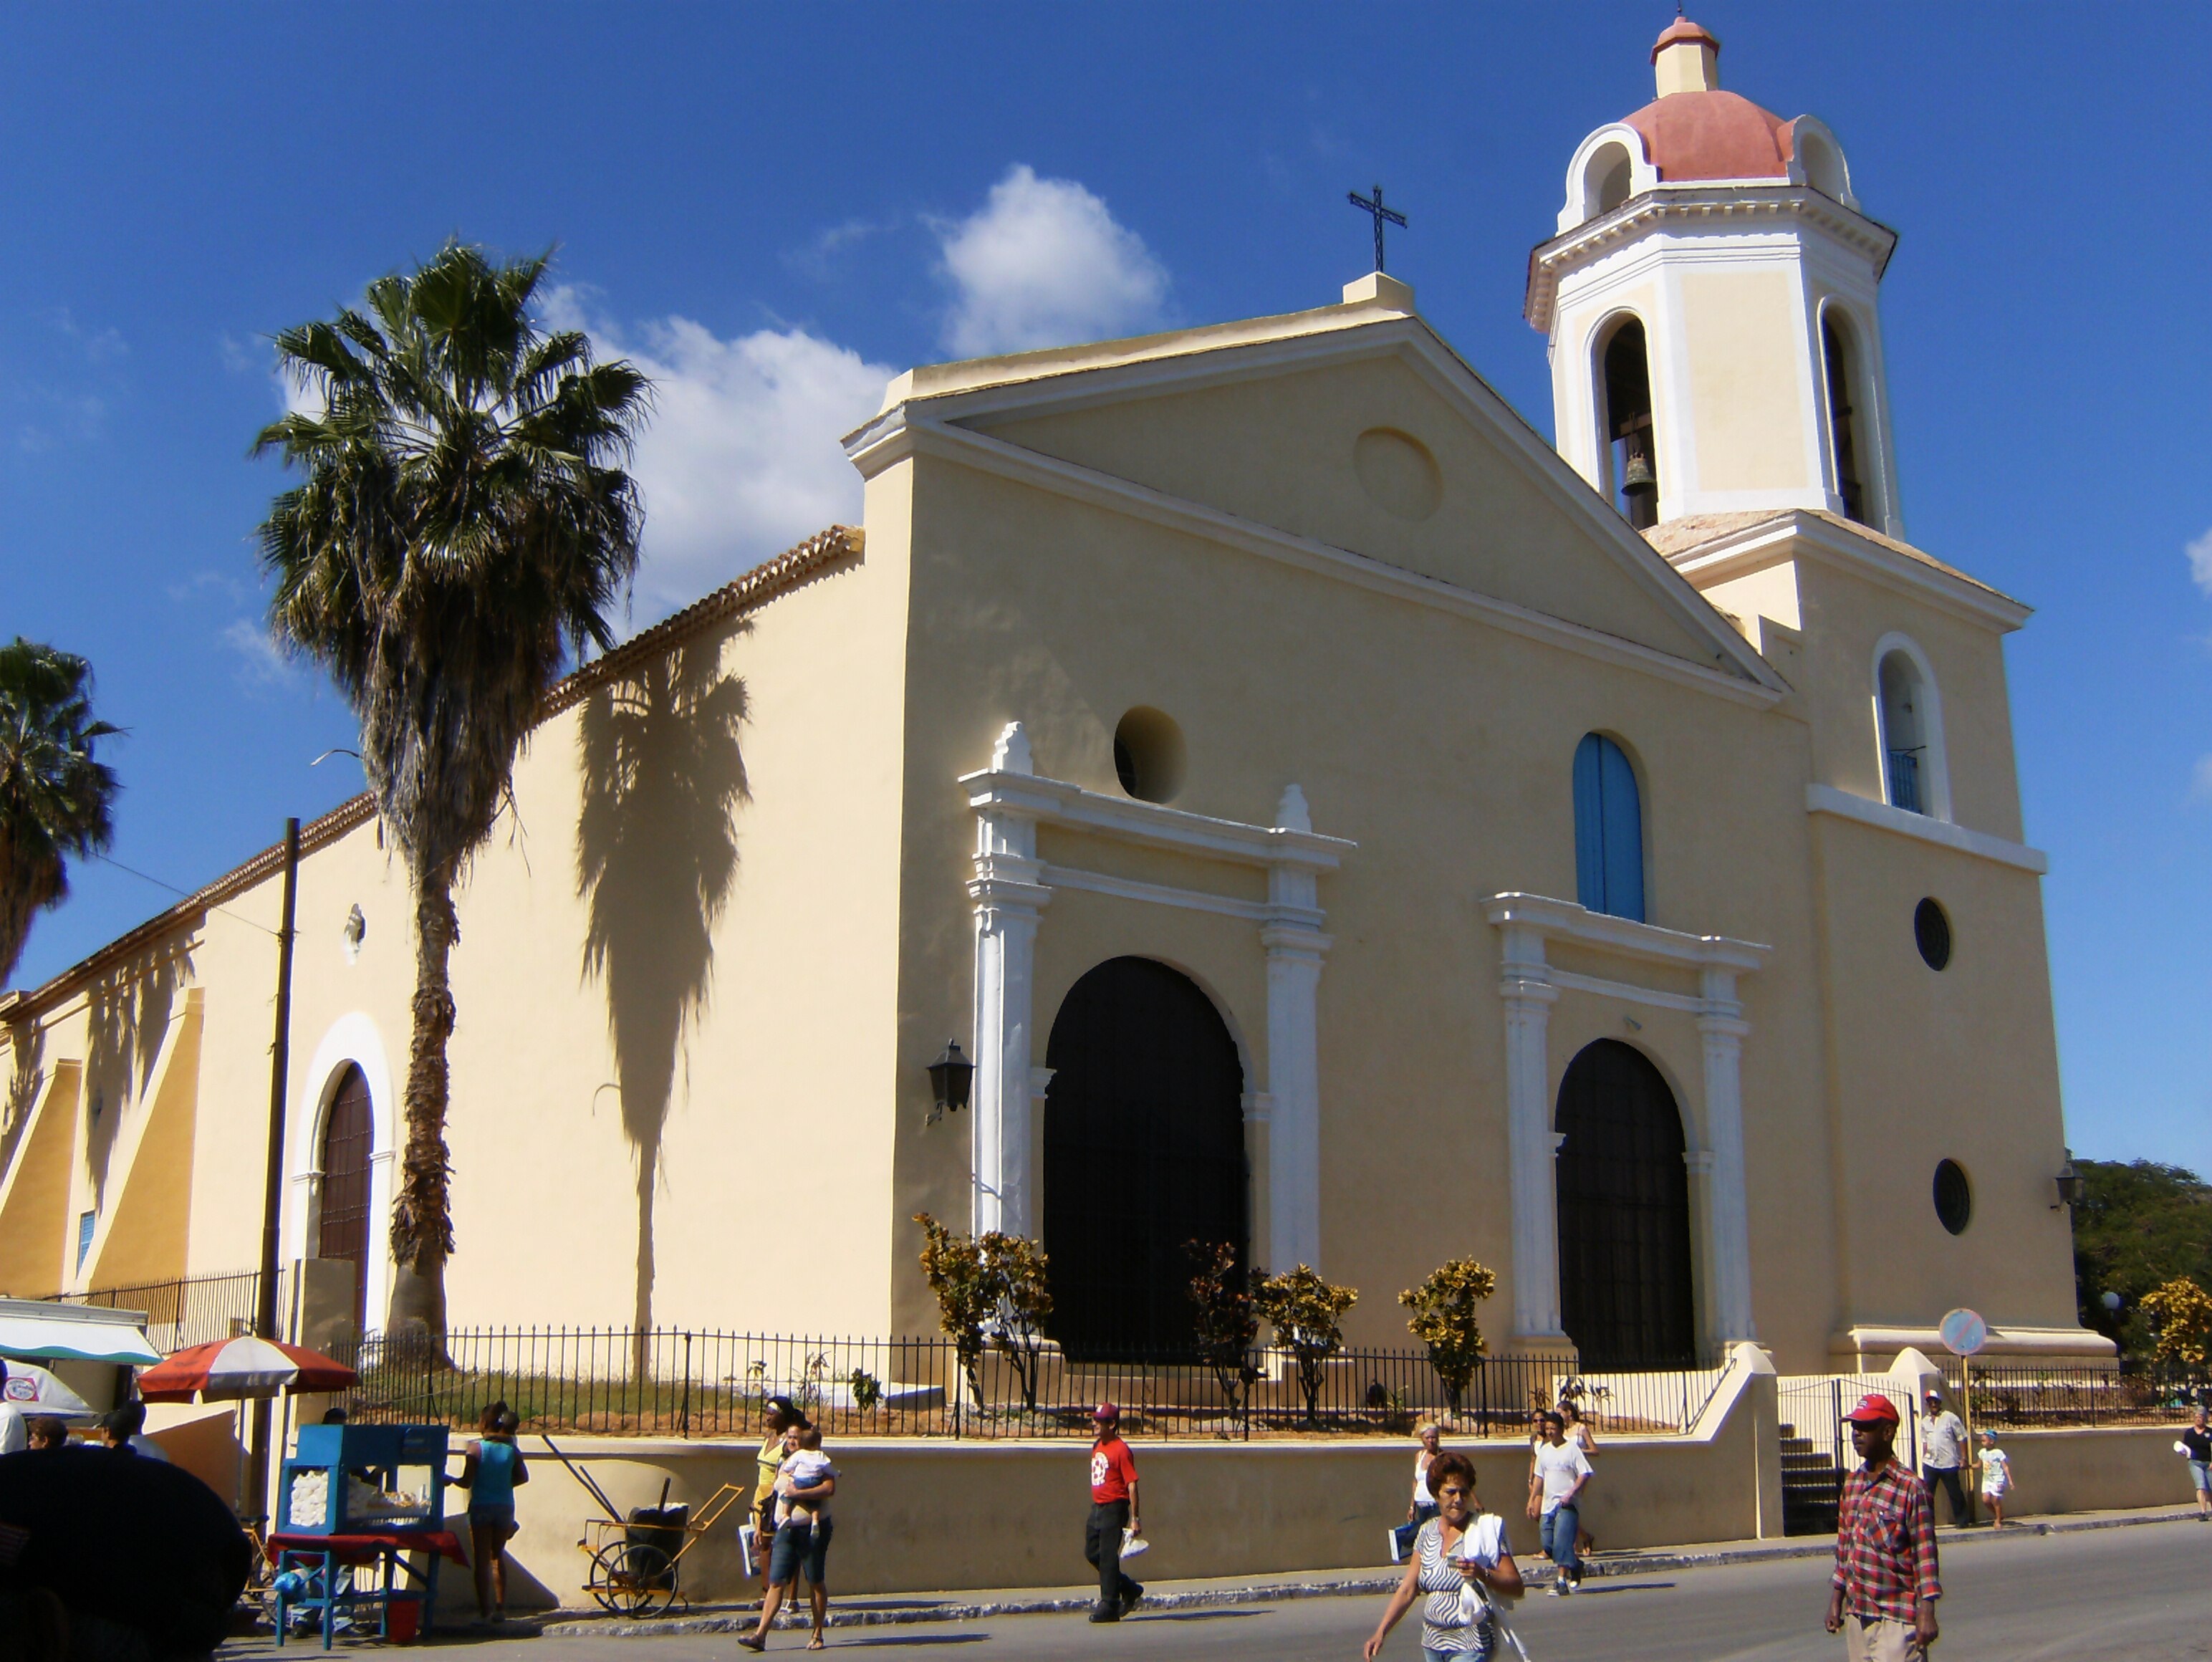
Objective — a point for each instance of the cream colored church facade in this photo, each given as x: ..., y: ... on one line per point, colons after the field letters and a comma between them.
x: 1233, y: 739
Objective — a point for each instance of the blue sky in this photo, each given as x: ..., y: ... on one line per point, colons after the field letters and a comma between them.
x: 777, y: 207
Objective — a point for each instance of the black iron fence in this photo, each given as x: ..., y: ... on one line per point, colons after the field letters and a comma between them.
x: 192, y: 1310
x: 671, y: 1382
x: 2137, y: 1393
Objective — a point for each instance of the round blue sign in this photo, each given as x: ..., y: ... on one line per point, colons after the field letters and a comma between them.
x: 1964, y: 1332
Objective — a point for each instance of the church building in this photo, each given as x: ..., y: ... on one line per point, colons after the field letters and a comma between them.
x: 1334, y: 818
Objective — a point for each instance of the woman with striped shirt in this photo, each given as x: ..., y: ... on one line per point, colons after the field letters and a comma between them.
x: 1462, y: 1546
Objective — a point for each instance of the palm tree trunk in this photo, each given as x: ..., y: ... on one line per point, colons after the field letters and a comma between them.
x: 421, y: 1215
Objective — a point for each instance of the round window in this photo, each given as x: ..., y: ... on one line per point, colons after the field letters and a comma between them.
x: 1954, y: 1197
x: 1931, y: 931
x: 1148, y: 754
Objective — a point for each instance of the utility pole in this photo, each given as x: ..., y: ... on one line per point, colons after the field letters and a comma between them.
x: 272, y: 1193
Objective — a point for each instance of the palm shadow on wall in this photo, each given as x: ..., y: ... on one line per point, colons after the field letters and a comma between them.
x: 656, y: 855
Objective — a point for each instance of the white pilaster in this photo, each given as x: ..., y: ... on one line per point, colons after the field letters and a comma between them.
x: 1295, y: 945
x: 1008, y: 898
x: 1531, y: 1145
x: 1728, y: 1217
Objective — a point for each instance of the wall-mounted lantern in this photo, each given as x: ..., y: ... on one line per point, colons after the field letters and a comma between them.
x: 2070, y: 1182
x: 949, y: 1078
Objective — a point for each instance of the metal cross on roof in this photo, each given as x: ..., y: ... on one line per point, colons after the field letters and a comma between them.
x: 1380, y: 214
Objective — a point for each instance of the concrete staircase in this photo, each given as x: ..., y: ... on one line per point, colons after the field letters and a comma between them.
x: 1811, y: 1485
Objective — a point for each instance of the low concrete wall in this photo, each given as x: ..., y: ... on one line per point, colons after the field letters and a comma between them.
x: 2094, y: 1470
x: 915, y: 1516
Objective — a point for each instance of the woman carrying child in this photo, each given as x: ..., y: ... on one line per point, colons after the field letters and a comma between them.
x: 803, y: 1483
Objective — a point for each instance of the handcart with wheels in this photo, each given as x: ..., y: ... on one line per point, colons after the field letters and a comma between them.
x: 636, y: 1560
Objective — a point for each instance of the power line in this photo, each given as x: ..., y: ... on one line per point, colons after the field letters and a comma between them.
x: 147, y: 877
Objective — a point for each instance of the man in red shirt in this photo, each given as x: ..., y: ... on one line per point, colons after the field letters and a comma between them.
x: 1882, y: 1599
x: 1113, y: 1507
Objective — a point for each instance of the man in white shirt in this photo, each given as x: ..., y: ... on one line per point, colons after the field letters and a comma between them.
x: 14, y: 1435
x: 1557, y: 1474
x: 1943, y: 1453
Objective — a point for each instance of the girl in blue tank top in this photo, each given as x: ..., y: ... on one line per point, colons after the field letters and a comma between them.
x: 492, y: 1467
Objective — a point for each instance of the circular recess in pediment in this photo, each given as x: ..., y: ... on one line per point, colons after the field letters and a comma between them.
x: 1149, y: 754
x: 1398, y: 473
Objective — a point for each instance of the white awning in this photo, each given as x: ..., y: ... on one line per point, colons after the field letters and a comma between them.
x: 38, y: 1331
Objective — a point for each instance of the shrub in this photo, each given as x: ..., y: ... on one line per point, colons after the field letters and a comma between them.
x: 991, y: 1289
x: 1224, y: 1320
x: 1304, y: 1310
x: 1445, y: 1319
x: 2183, y: 1312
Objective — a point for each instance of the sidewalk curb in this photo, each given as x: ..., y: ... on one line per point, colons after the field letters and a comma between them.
x: 558, y: 1625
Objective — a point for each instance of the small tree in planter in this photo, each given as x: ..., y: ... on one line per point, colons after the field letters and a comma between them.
x: 966, y: 1298
x: 1444, y: 1319
x: 1304, y: 1310
x: 1016, y: 1268
x: 2181, y: 1312
x: 991, y: 1290
x: 1224, y: 1319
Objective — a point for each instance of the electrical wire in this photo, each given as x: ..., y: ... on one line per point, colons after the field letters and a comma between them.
x: 145, y: 877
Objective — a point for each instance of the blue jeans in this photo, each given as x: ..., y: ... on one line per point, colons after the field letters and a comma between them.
x: 1559, y: 1527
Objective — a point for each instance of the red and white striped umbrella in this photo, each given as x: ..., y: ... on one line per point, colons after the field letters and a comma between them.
x: 244, y: 1366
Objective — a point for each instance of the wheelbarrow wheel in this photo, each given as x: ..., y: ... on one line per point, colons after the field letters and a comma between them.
x: 633, y: 1579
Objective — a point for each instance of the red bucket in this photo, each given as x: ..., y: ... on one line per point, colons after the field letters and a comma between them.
x: 403, y: 1620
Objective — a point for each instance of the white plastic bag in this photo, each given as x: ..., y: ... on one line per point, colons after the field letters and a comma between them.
x: 1133, y: 1544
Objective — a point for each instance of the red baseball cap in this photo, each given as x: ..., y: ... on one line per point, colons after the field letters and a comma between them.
x: 1874, y: 1408
x: 1106, y: 1411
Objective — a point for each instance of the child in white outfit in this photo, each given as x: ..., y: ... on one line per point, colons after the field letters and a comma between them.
x: 805, y: 1467
x: 1996, y: 1477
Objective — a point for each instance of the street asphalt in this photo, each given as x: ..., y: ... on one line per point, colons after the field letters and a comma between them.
x: 2142, y: 1594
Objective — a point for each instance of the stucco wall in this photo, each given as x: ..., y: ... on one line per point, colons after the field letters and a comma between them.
x: 916, y: 1516
x: 1443, y: 745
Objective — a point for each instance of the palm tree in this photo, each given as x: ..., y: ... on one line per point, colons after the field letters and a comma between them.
x: 54, y: 798
x: 464, y: 529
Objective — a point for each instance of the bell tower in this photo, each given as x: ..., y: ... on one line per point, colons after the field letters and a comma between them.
x: 1711, y: 301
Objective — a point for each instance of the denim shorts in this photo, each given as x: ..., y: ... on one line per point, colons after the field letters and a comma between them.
x: 801, y: 1545
x: 492, y: 1517
x: 2201, y: 1472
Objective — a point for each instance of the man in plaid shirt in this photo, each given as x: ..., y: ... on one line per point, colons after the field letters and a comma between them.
x: 1884, y: 1593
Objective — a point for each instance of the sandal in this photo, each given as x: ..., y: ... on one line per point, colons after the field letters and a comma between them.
x: 815, y: 1643
x: 752, y: 1641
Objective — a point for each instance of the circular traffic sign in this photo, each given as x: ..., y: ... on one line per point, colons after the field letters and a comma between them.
x: 1964, y: 1332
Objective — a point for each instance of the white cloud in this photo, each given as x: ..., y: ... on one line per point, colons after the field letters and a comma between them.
x: 259, y: 663
x: 2200, y: 561
x: 741, y: 459
x: 1043, y: 263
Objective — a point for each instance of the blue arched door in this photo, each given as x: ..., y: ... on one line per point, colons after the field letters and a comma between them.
x: 1608, y: 829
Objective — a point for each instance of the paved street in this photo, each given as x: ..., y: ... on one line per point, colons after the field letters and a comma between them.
x: 2140, y: 1593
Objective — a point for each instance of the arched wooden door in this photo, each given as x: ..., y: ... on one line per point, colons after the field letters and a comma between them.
x: 349, y: 1139
x: 1625, y: 1297
x: 1144, y: 1150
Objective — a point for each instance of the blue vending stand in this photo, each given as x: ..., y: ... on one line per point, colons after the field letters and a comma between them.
x: 349, y: 1496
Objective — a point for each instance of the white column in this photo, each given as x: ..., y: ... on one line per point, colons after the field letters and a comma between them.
x: 1531, y: 1145
x: 1728, y: 1216
x: 1008, y: 898
x: 1295, y: 945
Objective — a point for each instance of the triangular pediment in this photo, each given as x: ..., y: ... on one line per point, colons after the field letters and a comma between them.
x: 1370, y: 437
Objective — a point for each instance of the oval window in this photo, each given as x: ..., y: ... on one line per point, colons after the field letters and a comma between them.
x: 1955, y: 1197
x: 1148, y: 754
x: 1931, y: 932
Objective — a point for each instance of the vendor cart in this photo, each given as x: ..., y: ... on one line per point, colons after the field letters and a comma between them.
x: 636, y: 1560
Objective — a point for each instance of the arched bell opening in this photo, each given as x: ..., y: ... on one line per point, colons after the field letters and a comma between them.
x: 1629, y: 442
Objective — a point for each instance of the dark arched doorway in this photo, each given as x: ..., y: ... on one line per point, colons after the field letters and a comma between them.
x: 343, y: 1226
x: 1144, y: 1150
x: 1624, y: 1286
